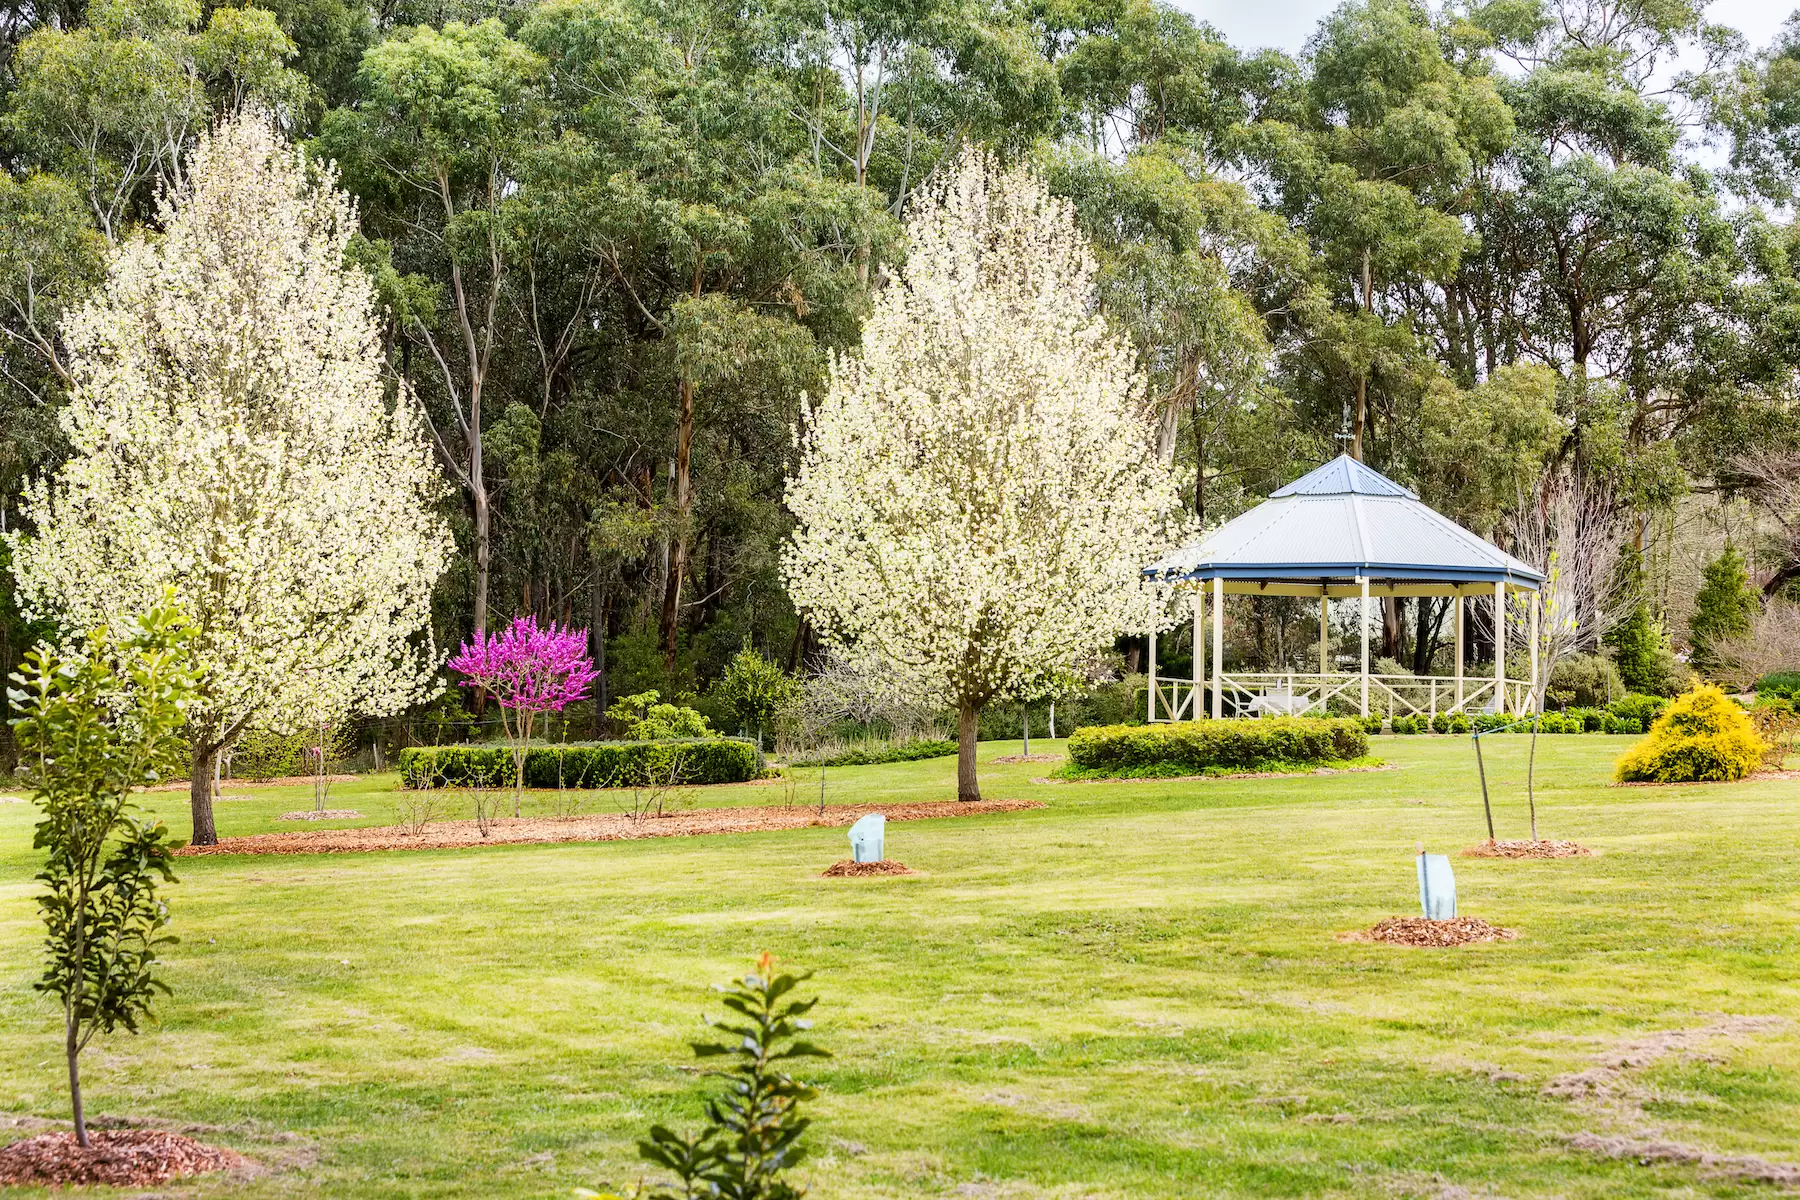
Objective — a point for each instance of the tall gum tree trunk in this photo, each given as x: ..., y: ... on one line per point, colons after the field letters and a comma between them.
x: 200, y: 796
x: 678, y: 557
x: 968, y: 715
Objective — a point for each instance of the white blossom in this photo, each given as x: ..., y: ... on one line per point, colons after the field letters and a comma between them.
x: 978, y: 489
x: 232, y: 437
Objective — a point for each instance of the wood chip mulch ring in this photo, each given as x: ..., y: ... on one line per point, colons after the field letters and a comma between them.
x: 119, y: 1157
x: 317, y: 814
x: 1421, y: 931
x: 1527, y: 849
x: 849, y: 868
x: 596, y: 827
x: 1013, y: 759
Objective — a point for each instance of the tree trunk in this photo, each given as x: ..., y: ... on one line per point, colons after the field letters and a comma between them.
x: 1390, y: 627
x: 597, y: 617
x: 1424, y: 635
x: 1362, y: 378
x: 72, y: 1046
x: 671, y: 605
x: 200, y: 792
x: 967, y: 728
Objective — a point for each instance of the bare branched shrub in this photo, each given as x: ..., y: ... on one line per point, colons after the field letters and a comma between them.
x: 1569, y: 528
x: 1773, y: 486
x: 482, y: 792
x: 416, y: 808
x: 1771, y: 645
x: 659, y: 790
x: 853, y: 691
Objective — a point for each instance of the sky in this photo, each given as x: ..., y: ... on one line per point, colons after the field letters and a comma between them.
x: 1288, y: 23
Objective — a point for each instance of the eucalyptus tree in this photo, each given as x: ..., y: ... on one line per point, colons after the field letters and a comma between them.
x: 734, y: 260
x: 433, y: 152
x: 1374, y: 164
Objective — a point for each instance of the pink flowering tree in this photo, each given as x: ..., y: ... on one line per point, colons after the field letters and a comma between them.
x: 530, y: 670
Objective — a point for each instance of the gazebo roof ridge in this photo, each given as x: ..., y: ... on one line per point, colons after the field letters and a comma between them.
x: 1343, y: 476
x: 1339, y: 524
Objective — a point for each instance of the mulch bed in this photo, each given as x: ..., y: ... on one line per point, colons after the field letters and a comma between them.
x: 1421, y: 931
x: 127, y: 1157
x: 595, y: 827
x: 849, y: 868
x: 1029, y: 758
x: 1761, y: 776
x: 318, y: 814
x: 1539, y: 849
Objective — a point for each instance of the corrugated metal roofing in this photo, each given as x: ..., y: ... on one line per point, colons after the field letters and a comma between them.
x: 1342, y: 522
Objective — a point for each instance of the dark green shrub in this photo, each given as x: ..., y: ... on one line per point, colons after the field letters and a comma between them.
x: 1639, y: 708
x: 1646, y: 661
x: 1725, y: 606
x: 1591, y: 719
x: 1450, y: 722
x: 862, y: 757
x: 1586, y: 680
x: 585, y: 765
x: 1417, y: 724
x: 1780, y: 683
x: 1195, y: 747
x: 1371, y: 723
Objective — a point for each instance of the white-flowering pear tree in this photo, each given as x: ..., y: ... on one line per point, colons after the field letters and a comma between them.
x: 234, y: 439
x: 978, y: 488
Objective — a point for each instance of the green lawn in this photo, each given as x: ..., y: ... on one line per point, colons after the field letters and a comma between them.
x: 1134, y: 992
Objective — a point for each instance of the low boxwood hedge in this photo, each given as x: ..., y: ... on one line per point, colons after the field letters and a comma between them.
x: 1197, y: 747
x: 863, y: 756
x: 585, y: 765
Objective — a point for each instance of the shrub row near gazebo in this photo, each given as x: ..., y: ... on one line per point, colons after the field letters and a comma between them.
x: 1202, y: 747
x: 584, y: 765
x: 1630, y: 714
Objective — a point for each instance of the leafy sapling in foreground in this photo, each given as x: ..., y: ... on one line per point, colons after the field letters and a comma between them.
x: 96, y: 723
x: 753, y: 1131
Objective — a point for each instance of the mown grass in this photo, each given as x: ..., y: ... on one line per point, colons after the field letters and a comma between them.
x: 1134, y: 992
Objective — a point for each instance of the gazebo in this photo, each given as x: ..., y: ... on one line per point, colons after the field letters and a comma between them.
x: 1339, y: 531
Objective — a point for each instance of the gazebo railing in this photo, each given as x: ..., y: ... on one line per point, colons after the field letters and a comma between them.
x: 1297, y: 692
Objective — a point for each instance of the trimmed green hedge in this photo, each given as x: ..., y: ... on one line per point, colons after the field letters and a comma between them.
x: 1194, y: 747
x: 587, y: 765
x: 863, y: 757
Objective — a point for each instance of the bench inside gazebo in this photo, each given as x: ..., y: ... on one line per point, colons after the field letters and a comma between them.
x: 1338, y: 532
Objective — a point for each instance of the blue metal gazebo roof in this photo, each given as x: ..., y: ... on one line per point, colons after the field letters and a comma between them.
x: 1340, y: 524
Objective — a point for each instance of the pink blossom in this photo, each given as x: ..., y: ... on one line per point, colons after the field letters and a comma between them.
x: 528, y: 668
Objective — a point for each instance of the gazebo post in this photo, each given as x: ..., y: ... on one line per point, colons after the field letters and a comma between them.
x: 1199, y: 656
x: 1459, y: 648
x: 1500, y: 647
x: 1324, y: 634
x: 1218, y: 663
x: 1150, y: 677
x: 1534, y: 648
x: 1365, y: 645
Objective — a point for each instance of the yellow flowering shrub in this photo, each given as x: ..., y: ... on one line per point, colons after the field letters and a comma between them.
x: 1704, y: 735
